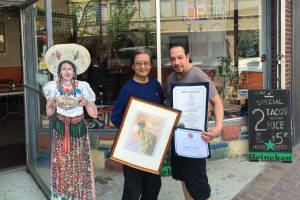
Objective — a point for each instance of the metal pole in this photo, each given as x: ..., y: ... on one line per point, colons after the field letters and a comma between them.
x: 49, y: 31
x: 236, y: 40
x: 158, y: 40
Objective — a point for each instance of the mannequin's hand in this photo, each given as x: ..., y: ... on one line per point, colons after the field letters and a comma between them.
x: 82, y: 102
x: 54, y: 102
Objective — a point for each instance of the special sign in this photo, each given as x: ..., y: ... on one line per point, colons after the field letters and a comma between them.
x: 269, y: 122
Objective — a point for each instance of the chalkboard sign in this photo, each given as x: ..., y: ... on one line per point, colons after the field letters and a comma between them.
x: 269, y: 125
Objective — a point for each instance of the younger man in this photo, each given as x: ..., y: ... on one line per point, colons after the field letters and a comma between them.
x: 192, y: 171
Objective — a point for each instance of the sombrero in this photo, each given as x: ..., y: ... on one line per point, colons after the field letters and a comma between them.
x: 74, y: 53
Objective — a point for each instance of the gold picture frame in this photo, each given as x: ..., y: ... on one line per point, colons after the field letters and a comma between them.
x: 145, y: 134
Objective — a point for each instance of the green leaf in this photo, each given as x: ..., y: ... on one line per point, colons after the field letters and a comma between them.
x: 76, y: 56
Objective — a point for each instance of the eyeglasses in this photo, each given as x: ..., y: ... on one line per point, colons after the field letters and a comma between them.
x: 139, y: 64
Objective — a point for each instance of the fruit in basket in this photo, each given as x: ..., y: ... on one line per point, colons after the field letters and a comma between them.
x: 66, y: 102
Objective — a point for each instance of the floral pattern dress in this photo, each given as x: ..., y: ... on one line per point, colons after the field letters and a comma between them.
x: 72, y: 174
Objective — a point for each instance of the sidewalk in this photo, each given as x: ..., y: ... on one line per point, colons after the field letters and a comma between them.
x: 280, y: 181
x: 226, y: 177
x: 232, y: 178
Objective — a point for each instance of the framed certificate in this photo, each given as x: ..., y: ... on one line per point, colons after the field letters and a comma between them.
x: 192, y: 100
x: 145, y: 134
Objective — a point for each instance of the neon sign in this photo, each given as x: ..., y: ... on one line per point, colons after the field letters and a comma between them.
x: 200, y: 12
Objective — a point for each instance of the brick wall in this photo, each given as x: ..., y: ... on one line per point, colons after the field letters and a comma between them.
x: 286, y: 21
x: 273, y: 46
x: 288, y: 45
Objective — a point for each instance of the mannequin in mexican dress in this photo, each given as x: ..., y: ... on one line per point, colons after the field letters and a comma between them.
x: 72, y: 174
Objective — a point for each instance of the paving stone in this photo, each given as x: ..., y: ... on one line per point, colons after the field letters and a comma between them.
x: 272, y: 193
x: 284, y: 197
x: 268, y: 198
x: 294, y: 195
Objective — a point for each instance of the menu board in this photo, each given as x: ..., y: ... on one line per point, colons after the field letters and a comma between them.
x: 269, y: 125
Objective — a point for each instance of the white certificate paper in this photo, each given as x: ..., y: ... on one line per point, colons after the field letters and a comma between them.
x: 192, y: 101
x: 188, y: 143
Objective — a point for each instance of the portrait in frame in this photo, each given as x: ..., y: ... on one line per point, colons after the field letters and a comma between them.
x: 145, y: 134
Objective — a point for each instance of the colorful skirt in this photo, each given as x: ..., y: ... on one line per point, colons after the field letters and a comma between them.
x: 72, y: 175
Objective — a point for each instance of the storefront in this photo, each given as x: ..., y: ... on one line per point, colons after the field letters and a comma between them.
x: 231, y: 41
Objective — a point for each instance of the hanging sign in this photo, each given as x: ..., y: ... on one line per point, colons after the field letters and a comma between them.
x: 269, y: 122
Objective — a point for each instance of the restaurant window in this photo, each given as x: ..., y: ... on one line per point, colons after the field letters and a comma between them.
x: 111, y: 32
x: 127, y: 25
x: 233, y: 65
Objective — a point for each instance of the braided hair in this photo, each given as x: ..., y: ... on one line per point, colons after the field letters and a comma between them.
x: 72, y: 80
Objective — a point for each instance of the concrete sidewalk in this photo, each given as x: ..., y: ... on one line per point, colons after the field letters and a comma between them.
x: 227, y: 178
x: 232, y: 178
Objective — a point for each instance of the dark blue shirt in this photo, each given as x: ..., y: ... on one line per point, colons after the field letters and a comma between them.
x: 150, y: 91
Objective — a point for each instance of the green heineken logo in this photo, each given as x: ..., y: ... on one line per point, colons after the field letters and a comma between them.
x: 270, y: 145
x: 271, y: 156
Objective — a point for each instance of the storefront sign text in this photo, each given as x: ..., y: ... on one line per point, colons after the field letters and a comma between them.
x: 200, y: 12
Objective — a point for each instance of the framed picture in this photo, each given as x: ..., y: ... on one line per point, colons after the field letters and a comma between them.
x: 145, y: 134
x: 2, y: 38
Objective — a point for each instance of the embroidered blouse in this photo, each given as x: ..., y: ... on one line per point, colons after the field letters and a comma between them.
x: 83, y: 89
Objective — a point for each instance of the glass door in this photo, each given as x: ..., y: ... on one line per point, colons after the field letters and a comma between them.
x: 37, y: 123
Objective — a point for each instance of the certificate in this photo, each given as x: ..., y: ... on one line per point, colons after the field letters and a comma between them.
x: 188, y: 143
x: 192, y: 100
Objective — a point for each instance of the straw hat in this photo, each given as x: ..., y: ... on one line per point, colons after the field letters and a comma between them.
x: 74, y: 53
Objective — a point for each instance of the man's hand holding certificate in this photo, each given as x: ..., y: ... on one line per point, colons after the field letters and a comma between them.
x: 188, y: 143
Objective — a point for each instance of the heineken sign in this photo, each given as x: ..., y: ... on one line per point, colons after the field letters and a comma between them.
x: 269, y: 125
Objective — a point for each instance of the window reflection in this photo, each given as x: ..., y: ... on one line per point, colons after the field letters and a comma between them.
x: 211, y: 33
x: 113, y: 30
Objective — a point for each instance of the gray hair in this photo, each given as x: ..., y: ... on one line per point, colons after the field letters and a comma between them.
x: 142, y: 51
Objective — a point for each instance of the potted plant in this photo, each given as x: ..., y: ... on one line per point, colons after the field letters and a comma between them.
x: 224, y: 71
x: 224, y: 66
